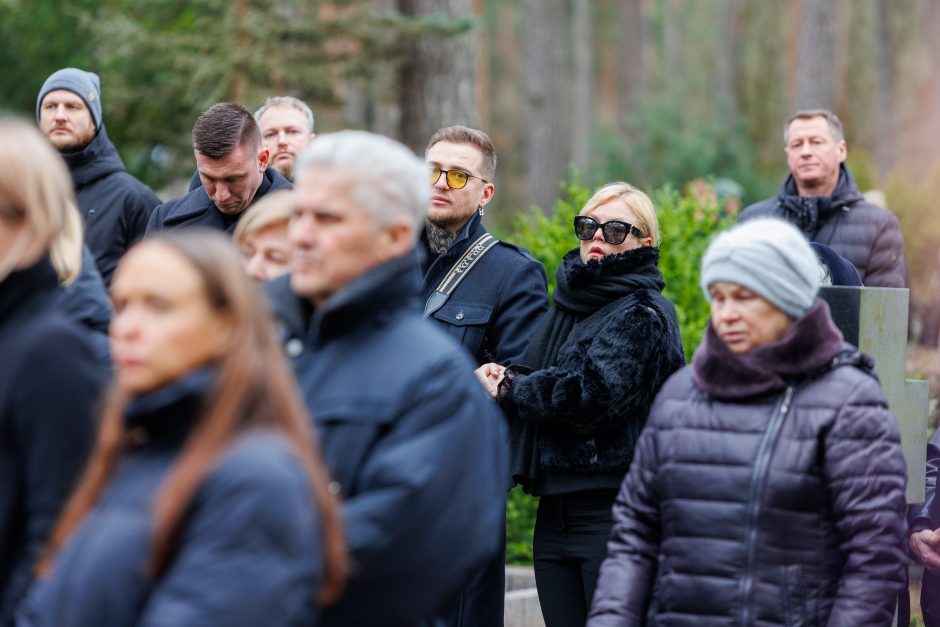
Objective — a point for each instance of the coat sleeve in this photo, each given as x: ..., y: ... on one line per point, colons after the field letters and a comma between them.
x: 518, y: 312
x: 55, y: 431
x: 250, y: 555
x: 886, y: 267
x: 864, y: 471
x: 429, y: 506
x: 618, y: 374
x: 625, y: 583
x: 139, y: 206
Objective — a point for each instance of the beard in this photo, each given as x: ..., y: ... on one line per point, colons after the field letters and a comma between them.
x: 73, y: 141
x: 286, y: 168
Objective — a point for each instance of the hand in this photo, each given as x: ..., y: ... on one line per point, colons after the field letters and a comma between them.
x: 925, y: 545
x: 489, y: 376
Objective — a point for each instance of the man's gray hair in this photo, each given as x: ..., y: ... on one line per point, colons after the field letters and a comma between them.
x: 287, y: 101
x: 391, y: 181
x: 832, y: 120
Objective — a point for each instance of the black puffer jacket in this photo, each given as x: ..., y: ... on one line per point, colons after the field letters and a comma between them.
x: 767, y: 489
x: 599, y: 358
x: 867, y: 235
x: 115, y: 205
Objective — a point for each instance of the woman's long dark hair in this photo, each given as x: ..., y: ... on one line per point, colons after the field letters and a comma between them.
x: 254, y: 387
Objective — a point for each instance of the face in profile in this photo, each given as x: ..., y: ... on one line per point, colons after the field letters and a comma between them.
x: 164, y: 325
x: 65, y: 120
x: 333, y: 240
x: 744, y: 320
x: 597, y: 246
x: 266, y: 252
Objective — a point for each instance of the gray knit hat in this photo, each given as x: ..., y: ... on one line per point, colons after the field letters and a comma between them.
x: 771, y: 258
x: 85, y: 85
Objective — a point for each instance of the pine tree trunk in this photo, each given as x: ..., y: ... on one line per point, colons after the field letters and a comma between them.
x: 725, y: 59
x: 583, y: 44
x: 632, y: 57
x: 438, y: 81
x: 548, y: 89
x: 884, y: 43
x: 816, y: 64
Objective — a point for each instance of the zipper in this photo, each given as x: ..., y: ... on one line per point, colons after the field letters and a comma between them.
x: 761, y: 464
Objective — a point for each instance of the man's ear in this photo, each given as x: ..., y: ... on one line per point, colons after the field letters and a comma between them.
x: 488, y: 190
x: 263, y: 155
x: 843, y: 151
x: 399, y: 237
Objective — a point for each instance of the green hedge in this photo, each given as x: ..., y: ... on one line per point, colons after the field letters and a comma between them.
x: 688, y: 223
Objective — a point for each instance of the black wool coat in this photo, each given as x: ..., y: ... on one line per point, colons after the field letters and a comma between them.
x: 49, y: 385
x: 197, y: 209
x: 767, y: 489
x: 589, y: 404
x: 114, y: 204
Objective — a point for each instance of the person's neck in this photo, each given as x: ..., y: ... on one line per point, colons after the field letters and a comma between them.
x: 441, y: 238
x: 823, y: 189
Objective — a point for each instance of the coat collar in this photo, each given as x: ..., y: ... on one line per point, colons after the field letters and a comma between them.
x: 95, y: 161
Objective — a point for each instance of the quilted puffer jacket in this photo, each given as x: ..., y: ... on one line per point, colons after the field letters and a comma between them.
x: 767, y: 489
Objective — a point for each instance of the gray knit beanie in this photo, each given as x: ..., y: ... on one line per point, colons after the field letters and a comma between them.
x: 85, y: 85
x: 771, y: 258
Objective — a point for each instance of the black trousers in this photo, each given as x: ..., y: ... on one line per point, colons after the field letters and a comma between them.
x: 930, y: 599
x: 570, y: 542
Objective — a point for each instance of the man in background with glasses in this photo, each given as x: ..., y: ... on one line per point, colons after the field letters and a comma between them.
x: 493, y: 310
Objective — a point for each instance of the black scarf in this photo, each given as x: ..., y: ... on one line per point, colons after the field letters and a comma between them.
x: 810, y: 213
x: 580, y: 291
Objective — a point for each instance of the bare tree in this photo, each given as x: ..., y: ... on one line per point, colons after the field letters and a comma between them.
x: 583, y: 84
x: 816, y: 68
x: 438, y: 81
x: 548, y: 131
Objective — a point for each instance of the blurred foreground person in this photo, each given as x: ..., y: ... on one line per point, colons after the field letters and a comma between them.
x: 768, y: 485
x: 261, y: 236
x: 49, y: 377
x: 580, y: 399
x: 205, y: 502
x: 413, y: 444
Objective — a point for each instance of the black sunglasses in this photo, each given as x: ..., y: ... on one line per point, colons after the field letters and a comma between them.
x: 456, y: 179
x: 614, y: 231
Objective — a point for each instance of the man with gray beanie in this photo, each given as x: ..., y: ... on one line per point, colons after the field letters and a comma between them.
x: 115, y: 205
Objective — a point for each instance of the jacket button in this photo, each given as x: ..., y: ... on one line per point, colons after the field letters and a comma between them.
x: 334, y: 487
x: 459, y: 315
x: 294, y: 347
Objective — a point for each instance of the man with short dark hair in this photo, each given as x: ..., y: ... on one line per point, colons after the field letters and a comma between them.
x: 820, y: 198
x: 414, y: 447
x: 233, y: 169
x: 286, y: 128
x: 492, y: 311
x: 115, y: 206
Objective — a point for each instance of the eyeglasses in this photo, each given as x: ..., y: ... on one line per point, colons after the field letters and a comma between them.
x: 456, y: 179
x: 614, y: 231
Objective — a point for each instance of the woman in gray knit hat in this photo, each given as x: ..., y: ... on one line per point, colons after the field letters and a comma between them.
x: 768, y: 485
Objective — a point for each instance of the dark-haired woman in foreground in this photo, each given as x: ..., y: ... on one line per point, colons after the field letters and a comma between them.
x: 204, y: 503
x: 768, y: 486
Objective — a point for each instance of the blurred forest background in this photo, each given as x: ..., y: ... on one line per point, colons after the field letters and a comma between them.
x: 651, y: 91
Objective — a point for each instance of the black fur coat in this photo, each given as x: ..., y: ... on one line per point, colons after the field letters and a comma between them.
x: 591, y: 373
